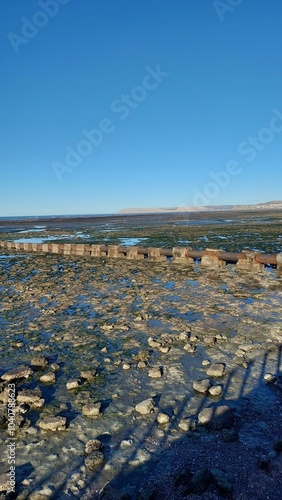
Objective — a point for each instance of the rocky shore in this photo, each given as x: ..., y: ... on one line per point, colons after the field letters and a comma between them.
x: 140, y: 380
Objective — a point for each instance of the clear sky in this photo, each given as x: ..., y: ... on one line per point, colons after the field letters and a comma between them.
x: 107, y: 104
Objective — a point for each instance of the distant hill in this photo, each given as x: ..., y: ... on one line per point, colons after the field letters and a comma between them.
x: 269, y: 205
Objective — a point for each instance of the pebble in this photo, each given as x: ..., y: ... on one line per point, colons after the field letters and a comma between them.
x: 73, y: 383
x: 216, y: 370
x: 93, y: 445
x: 155, y: 373
x: 55, y: 367
x: 202, y: 385
x: 187, y: 424
x: 189, y: 348
x: 126, y: 366
x: 53, y: 424
x: 269, y: 378
x: 215, y: 390
x: 88, y: 374
x: 145, y: 407
x: 162, y: 418
x: 91, y: 410
x: 39, y: 362
x: 206, y: 362
x: 48, y: 378
x: 141, y: 365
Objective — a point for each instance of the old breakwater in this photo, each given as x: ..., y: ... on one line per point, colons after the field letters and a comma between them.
x: 245, y: 260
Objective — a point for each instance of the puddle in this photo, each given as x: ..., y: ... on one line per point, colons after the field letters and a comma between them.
x: 131, y: 241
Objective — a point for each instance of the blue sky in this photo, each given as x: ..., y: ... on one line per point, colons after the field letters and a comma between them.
x: 180, y: 93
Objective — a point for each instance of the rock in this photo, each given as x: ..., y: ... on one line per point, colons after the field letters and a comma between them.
x: 94, y: 459
x: 91, y: 410
x: 187, y: 424
x: 216, y: 417
x: 88, y: 374
x: 222, y: 480
x: 93, y: 445
x: 126, y: 443
x: 206, y: 362
x: 162, y: 418
x: 215, y: 390
x: 53, y: 424
x: 145, y: 407
x: 39, y: 362
x: 164, y: 349
x: 183, y: 337
x: 154, y: 343
x: 16, y: 344
x: 17, y: 373
x: 48, y: 378
x: 189, y: 348
x: 126, y: 366
x: 194, y: 338
x: 142, y: 356
x: 278, y: 445
x: 247, y: 347
x: 32, y: 397
x: 269, y: 378
x: 73, y: 383
x: 55, y: 367
x: 202, y: 385
x: 141, y: 365
x: 155, y: 373
x: 216, y: 370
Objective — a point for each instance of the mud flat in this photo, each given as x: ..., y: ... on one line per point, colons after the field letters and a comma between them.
x: 141, y: 380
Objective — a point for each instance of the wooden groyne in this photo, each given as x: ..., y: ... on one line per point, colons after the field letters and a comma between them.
x: 248, y: 260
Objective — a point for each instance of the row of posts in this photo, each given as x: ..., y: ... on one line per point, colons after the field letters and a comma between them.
x: 246, y: 260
